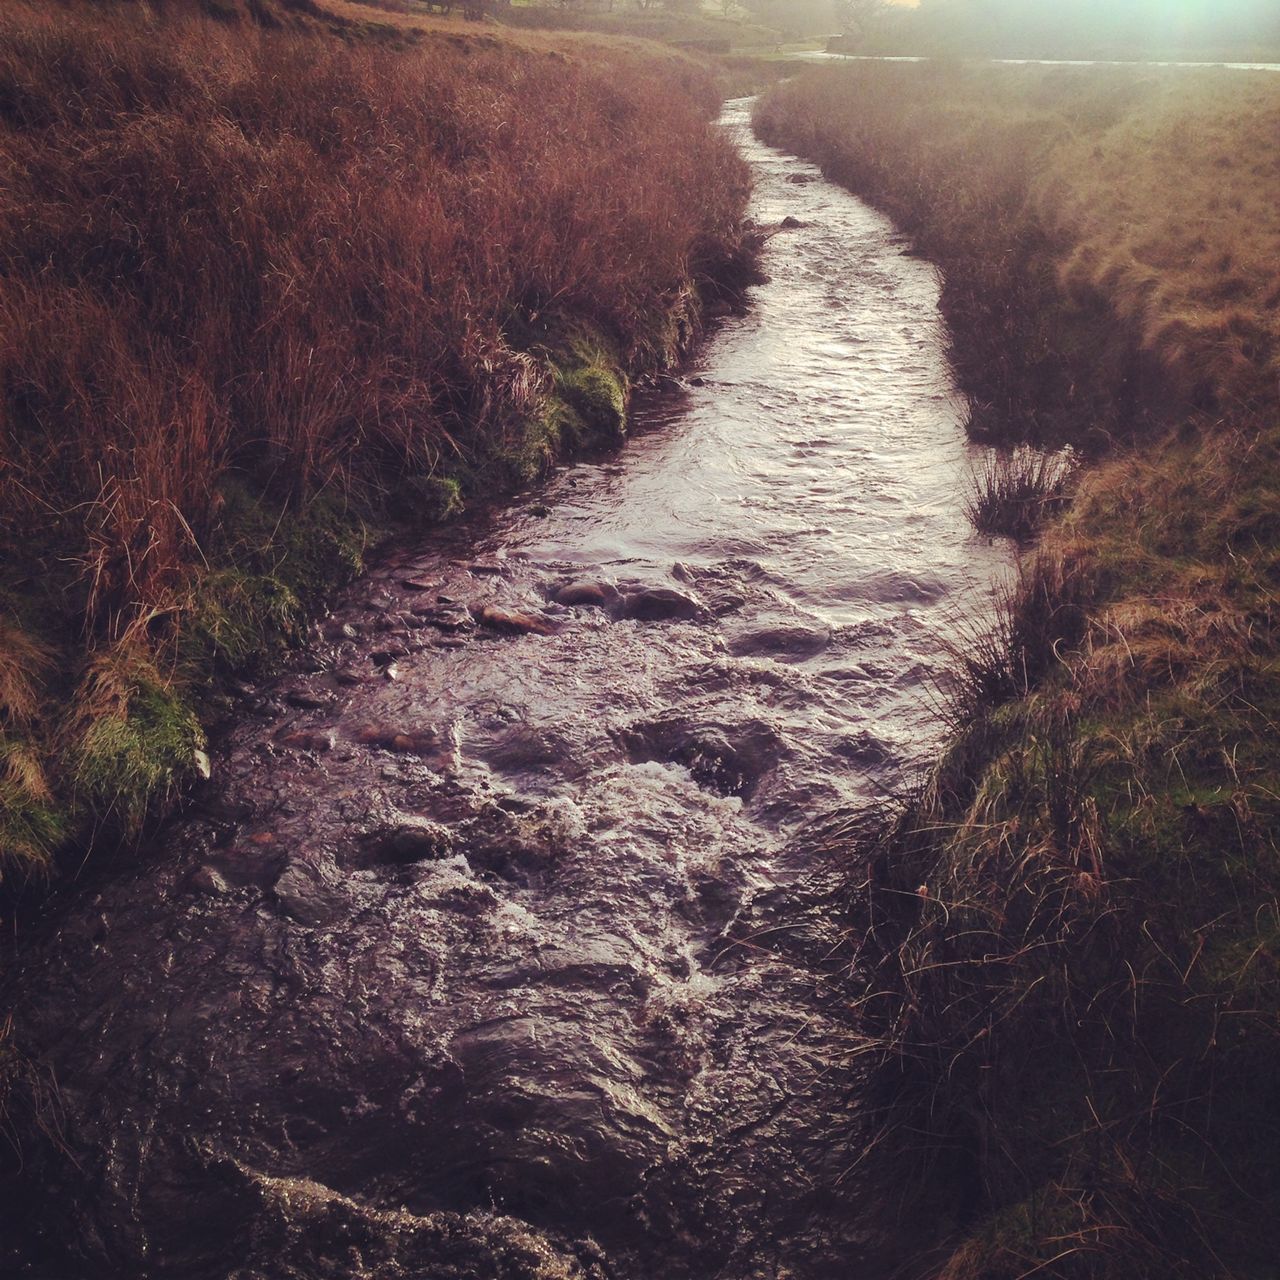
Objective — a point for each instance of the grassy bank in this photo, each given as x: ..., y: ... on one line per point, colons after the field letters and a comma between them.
x: 1125, y: 220
x: 264, y: 292
x: 1070, y: 936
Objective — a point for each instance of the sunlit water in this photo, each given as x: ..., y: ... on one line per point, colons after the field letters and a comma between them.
x: 506, y: 955
x: 823, y: 55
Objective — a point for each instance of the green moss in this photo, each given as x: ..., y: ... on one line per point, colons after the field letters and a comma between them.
x: 310, y: 551
x: 589, y: 403
x: 31, y: 828
x: 428, y: 500
x: 235, y: 619
x: 132, y: 754
x: 597, y: 394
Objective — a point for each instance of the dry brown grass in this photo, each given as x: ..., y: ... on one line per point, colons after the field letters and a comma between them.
x: 1172, y: 212
x: 321, y: 273
x: 229, y: 249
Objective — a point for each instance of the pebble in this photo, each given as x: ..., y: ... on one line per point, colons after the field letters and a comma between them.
x: 206, y: 880
x: 309, y: 740
x: 306, y: 700
x: 512, y: 621
x: 444, y: 619
x: 421, y: 742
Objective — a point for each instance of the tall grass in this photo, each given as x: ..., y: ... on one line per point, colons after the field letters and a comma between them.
x: 255, y: 282
x: 1015, y: 491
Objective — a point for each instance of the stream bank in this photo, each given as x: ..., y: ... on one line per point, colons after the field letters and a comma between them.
x: 1071, y: 927
x: 248, y: 328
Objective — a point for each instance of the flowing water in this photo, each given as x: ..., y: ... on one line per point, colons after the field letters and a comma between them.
x: 496, y: 945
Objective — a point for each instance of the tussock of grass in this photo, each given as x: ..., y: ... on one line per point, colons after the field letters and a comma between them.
x: 262, y: 289
x: 133, y: 738
x: 1016, y: 491
x: 594, y: 394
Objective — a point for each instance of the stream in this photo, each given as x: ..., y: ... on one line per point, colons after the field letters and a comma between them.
x: 498, y: 945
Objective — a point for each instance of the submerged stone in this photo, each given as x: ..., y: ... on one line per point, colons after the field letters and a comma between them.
x: 416, y: 839
x: 585, y: 593
x: 303, y: 894
x: 416, y: 742
x: 309, y: 740
x: 208, y: 881
x: 512, y: 621
x: 658, y: 604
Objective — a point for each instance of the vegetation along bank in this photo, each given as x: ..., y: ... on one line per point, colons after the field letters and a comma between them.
x: 1071, y: 932
x: 265, y: 293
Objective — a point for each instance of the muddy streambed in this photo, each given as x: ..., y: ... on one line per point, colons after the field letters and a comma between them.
x: 496, y: 945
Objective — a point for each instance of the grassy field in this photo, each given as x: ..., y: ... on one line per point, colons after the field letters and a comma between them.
x: 665, y: 25
x: 264, y: 291
x: 1071, y: 933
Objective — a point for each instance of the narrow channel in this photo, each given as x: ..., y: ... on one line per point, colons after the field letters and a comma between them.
x: 493, y: 947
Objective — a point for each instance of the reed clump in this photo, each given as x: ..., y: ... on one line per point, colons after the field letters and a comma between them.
x: 1013, y: 492
x: 1069, y: 935
x: 263, y: 290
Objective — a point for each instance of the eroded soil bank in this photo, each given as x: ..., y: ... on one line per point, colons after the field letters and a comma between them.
x: 496, y: 944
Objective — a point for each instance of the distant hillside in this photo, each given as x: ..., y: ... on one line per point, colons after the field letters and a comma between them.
x: 1232, y: 30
